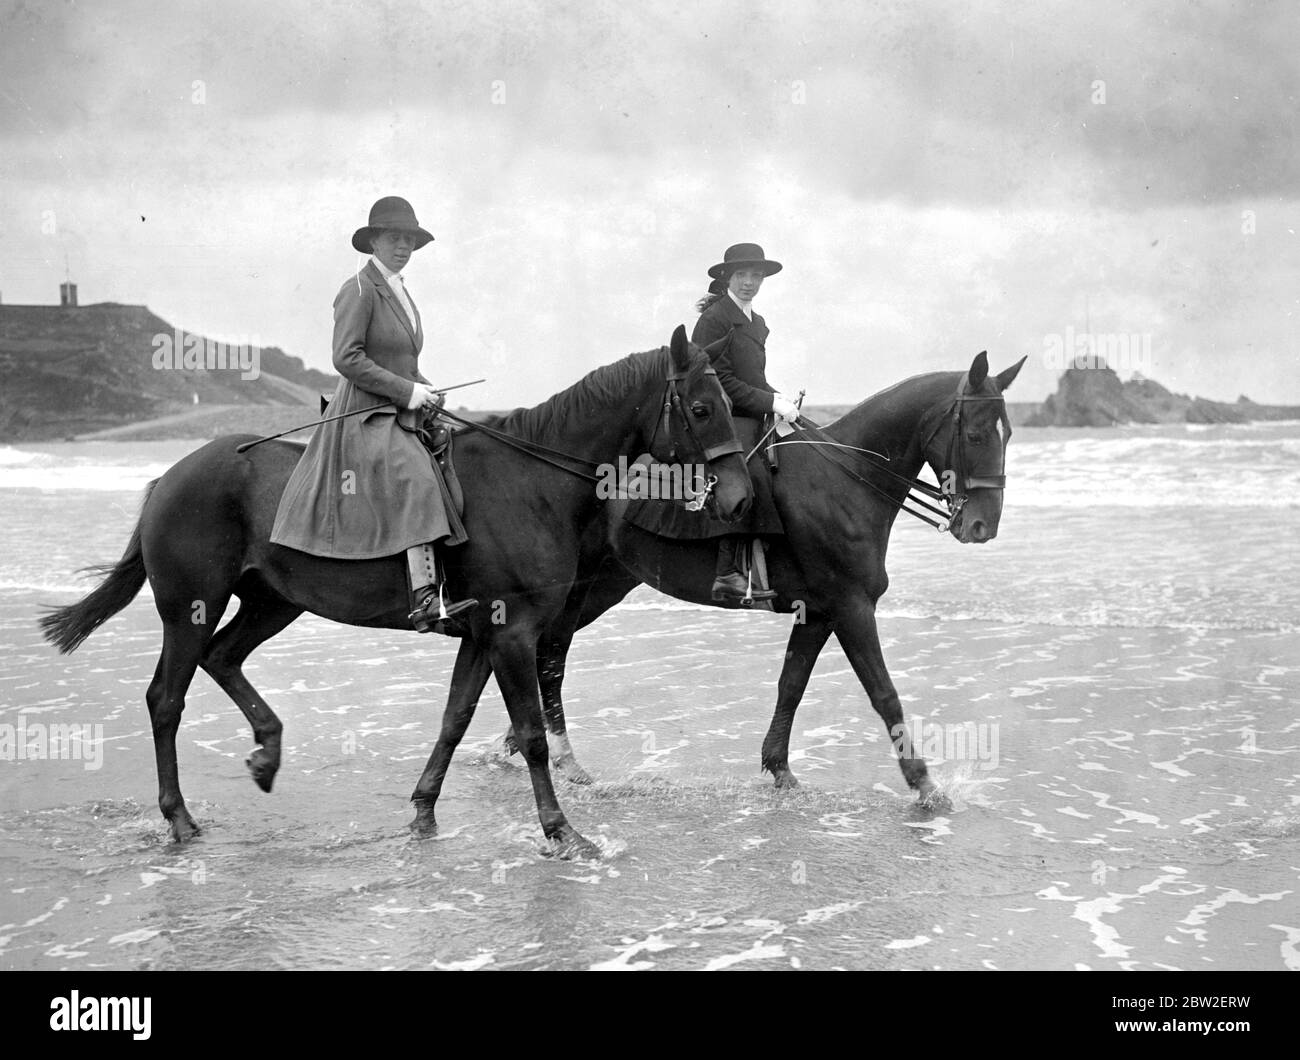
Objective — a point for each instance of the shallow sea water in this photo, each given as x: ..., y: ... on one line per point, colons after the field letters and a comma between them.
x: 1130, y: 797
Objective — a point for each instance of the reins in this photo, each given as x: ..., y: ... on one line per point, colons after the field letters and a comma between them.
x: 341, y: 416
x: 842, y: 462
x: 955, y: 499
x: 527, y: 446
x: 546, y: 454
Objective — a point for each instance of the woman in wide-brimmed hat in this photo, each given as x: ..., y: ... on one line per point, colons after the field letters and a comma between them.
x: 366, y: 487
x: 728, y: 313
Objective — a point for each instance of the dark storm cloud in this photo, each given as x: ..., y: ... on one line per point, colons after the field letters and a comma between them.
x: 937, y: 178
x: 926, y: 103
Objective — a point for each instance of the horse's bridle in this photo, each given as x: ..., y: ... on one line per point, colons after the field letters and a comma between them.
x: 673, y: 403
x: 955, y: 456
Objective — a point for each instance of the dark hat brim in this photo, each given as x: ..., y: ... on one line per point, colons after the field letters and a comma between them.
x: 724, y: 269
x: 362, y: 236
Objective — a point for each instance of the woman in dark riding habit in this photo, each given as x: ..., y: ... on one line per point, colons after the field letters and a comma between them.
x: 366, y: 487
x: 728, y: 314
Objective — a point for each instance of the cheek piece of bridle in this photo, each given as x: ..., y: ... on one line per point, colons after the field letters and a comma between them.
x: 699, y: 492
x: 957, y: 479
x: 955, y: 460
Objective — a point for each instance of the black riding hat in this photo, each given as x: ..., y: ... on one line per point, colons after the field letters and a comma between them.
x: 743, y: 254
x: 390, y: 212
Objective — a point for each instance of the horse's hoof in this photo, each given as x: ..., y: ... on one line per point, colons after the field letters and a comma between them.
x: 569, y: 769
x: 183, y: 828
x: 569, y: 844
x: 929, y: 797
x: 784, y: 780
x: 425, y: 825
x: 263, y: 768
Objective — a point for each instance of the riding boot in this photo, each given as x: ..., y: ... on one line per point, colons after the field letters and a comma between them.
x: 729, y: 581
x: 430, y: 612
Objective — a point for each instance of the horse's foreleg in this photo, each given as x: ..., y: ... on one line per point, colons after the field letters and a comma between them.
x: 806, y: 642
x: 468, y: 678
x: 857, y: 634
x: 258, y: 620
x: 514, y: 661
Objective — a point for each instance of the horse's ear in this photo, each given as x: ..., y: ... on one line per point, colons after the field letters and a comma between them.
x: 1005, y: 379
x: 979, y: 371
x: 681, y: 349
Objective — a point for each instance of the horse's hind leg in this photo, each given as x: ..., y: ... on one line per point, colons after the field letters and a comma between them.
x: 552, y: 654
x: 590, y: 598
x: 259, y: 619
x: 806, y: 642
x: 182, y: 646
x: 468, y: 678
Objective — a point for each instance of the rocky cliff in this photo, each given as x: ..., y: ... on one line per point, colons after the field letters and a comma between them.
x: 72, y: 370
x: 1095, y: 397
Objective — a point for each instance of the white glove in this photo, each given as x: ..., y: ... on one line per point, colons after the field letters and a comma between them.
x: 785, y: 408
x: 421, y: 396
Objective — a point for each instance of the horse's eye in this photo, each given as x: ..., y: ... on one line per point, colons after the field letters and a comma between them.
x: 975, y: 437
x: 700, y: 411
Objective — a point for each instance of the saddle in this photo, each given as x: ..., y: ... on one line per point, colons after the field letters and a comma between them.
x: 437, y: 442
x: 670, y: 519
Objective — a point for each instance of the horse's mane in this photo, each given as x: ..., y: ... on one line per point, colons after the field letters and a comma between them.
x: 598, y: 389
x: 920, y: 382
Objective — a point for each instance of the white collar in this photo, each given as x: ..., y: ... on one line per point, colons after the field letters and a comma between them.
x: 745, y: 307
x: 385, y: 271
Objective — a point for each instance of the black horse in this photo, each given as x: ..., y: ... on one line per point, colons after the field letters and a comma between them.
x: 838, y: 491
x: 204, y: 535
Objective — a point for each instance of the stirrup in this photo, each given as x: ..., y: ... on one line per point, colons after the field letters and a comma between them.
x: 737, y: 587
x: 745, y: 597
x: 763, y: 596
x: 456, y: 623
x: 751, y: 594
x: 426, y: 620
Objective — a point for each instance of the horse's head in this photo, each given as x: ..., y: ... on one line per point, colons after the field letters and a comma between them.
x: 966, y: 448
x: 695, y: 427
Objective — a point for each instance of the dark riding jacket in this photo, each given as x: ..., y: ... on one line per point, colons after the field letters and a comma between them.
x: 742, y: 366
x: 740, y: 370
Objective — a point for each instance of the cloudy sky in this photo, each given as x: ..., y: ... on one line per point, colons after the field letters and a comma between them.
x: 937, y: 178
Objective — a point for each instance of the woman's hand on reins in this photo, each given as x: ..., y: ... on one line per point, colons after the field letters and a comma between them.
x: 424, y: 397
x: 784, y: 408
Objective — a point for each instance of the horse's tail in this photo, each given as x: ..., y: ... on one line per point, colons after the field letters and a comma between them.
x: 67, y: 627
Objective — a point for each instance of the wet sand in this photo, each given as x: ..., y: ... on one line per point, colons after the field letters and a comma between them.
x: 1143, y: 809
x: 1134, y: 668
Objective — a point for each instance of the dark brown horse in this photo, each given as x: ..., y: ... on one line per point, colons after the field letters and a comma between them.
x: 838, y: 502
x: 204, y: 535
